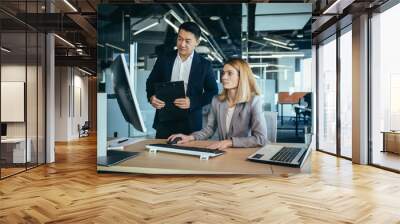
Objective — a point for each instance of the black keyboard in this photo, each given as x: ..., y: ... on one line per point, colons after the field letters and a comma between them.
x: 188, y: 148
x: 286, y: 154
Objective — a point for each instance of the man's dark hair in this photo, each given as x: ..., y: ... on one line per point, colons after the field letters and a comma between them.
x: 191, y: 27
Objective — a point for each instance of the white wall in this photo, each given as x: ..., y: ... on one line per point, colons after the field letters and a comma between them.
x: 16, y: 73
x: 33, y: 126
x: 71, y: 87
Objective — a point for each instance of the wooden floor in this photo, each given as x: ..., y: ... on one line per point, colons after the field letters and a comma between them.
x: 71, y: 191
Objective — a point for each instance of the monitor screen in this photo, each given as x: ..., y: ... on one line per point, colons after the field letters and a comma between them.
x: 125, y: 95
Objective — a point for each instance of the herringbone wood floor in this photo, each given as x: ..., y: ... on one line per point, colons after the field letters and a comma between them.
x: 70, y: 191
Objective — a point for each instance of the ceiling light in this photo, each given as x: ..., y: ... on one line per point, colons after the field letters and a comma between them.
x: 299, y: 35
x: 225, y: 37
x: 79, y: 50
x: 259, y: 65
x: 331, y: 7
x: 267, y: 52
x: 146, y: 28
x: 291, y: 44
x: 84, y: 71
x: 5, y: 50
x: 262, y: 65
x: 65, y: 41
x: 204, y: 31
x: 271, y: 71
x: 70, y: 5
x: 217, y: 56
x: 274, y: 41
x: 257, y: 42
x: 173, y: 13
x: 296, y: 48
x: 214, y: 18
x: 203, y: 39
x: 171, y: 24
x: 180, y: 20
x: 210, y: 57
x: 115, y: 47
x: 277, y: 56
x: 278, y: 45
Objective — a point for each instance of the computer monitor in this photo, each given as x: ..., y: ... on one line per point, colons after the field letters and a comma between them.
x: 3, y: 129
x: 125, y: 95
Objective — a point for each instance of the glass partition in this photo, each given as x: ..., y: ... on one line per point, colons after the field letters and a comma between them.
x: 385, y: 89
x: 22, y: 89
x: 13, y: 103
x: 346, y: 92
x: 327, y: 95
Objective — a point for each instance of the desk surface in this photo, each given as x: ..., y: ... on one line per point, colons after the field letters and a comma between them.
x: 391, y: 132
x: 287, y: 98
x: 232, y: 162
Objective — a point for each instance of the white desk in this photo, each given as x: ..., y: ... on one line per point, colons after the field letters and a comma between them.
x: 232, y: 162
x: 18, y: 149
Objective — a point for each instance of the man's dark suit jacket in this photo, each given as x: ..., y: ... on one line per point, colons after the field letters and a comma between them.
x: 200, y: 89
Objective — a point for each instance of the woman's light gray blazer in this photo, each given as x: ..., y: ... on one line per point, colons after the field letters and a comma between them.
x: 247, y: 128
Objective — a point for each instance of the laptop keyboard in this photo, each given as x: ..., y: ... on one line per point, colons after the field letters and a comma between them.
x: 286, y: 154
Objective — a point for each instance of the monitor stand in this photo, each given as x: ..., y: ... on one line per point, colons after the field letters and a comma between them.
x: 114, y: 157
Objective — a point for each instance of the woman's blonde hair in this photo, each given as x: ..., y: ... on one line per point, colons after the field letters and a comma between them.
x: 247, y: 87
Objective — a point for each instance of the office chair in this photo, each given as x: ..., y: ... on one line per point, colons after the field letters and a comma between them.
x: 303, y: 110
x: 84, y: 130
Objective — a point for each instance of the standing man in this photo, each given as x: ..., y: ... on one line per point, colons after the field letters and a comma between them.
x: 196, y: 72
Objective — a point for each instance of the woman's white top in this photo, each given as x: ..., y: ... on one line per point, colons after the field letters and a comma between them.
x: 229, y: 115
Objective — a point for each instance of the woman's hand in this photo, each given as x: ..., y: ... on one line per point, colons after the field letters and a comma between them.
x: 221, y: 144
x: 185, y: 138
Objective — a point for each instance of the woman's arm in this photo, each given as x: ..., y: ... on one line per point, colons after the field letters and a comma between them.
x: 211, y: 126
x: 258, y: 128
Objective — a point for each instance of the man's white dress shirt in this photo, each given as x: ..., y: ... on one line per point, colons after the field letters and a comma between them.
x: 181, y: 69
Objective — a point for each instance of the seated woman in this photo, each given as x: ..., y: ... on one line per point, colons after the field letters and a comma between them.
x: 236, y: 112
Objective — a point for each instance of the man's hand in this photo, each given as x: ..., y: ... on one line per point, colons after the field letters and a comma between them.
x: 221, y: 144
x: 183, y: 103
x: 156, y: 103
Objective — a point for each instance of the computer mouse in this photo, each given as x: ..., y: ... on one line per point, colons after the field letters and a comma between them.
x: 174, y: 141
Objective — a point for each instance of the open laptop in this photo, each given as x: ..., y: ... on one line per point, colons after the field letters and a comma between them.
x: 281, y: 155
